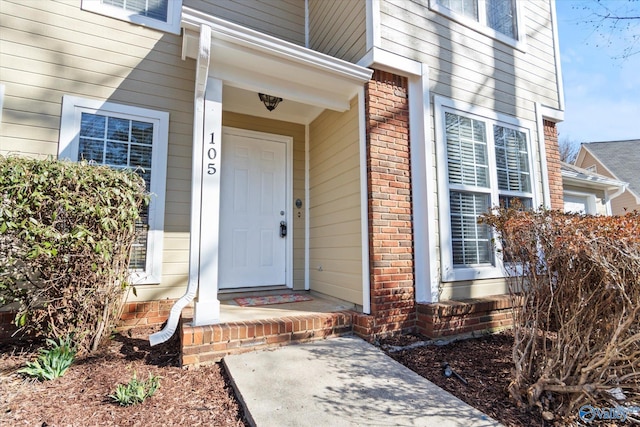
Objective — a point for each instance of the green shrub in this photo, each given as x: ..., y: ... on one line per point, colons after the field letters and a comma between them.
x: 66, y: 231
x: 52, y: 362
x: 135, y: 391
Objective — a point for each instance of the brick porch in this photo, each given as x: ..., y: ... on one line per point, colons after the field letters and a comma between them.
x: 209, y: 344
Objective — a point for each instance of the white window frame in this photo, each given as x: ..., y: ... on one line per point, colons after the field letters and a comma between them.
x: 72, y: 109
x: 481, y: 26
x: 450, y: 273
x: 171, y: 25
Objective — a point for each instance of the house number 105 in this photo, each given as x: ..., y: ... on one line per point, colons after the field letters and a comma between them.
x: 212, y: 153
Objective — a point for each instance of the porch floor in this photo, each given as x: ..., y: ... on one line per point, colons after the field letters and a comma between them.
x: 256, y: 327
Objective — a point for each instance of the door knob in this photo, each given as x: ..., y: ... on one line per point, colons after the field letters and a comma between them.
x: 283, y: 229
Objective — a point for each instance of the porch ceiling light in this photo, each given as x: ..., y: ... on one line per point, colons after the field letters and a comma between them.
x: 271, y: 102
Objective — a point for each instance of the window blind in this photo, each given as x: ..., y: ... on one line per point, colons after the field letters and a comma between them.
x: 121, y: 143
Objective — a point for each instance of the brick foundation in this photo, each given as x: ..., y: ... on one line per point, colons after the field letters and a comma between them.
x: 145, y: 313
x: 208, y: 344
x: 479, y: 315
x: 203, y: 345
x: 389, y: 196
x: 133, y: 314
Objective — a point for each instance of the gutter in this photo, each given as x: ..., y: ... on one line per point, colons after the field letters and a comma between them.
x: 571, y: 174
x: 202, y: 71
x: 620, y: 190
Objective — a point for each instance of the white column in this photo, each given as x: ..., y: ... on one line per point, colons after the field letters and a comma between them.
x: 204, y: 246
x: 426, y: 278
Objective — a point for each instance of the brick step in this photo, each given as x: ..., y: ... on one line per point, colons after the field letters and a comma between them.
x: 203, y: 345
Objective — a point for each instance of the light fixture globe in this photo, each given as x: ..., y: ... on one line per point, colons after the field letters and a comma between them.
x: 269, y: 101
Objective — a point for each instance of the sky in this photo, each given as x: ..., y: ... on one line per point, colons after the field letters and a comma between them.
x: 601, y: 89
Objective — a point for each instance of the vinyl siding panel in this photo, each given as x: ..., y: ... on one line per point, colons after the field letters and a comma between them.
x: 297, y: 132
x: 334, y: 224
x: 49, y: 49
x: 338, y: 28
x: 589, y: 161
x: 626, y: 202
x: 284, y: 19
x: 471, y: 67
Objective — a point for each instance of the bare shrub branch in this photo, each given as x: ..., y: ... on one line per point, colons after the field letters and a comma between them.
x: 577, y: 328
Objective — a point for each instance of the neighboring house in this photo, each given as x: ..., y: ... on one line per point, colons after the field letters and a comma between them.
x: 587, y: 192
x: 401, y: 121
x: 618, y: 160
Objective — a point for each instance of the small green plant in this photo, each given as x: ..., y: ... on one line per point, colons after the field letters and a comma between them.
x: 52, y: 362
x: 136, y: 391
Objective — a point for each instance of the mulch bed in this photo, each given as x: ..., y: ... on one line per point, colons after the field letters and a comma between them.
x: 80, y: 398
x: 485, y: 363
x: 204, y: 396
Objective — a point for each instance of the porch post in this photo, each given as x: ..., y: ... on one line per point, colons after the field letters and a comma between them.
x: 204, y: 246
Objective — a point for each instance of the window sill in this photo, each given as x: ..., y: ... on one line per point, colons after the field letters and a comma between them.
x: 519, y: 44
x: 460, y: 274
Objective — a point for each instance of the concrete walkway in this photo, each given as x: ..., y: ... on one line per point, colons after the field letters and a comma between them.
x: 341, y: 382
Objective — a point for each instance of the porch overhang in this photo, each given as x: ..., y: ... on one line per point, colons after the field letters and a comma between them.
x: 573, y: 175
x: 254, y: 61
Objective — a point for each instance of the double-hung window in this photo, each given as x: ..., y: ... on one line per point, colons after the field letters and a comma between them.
x: 496, y: 18
x: 484, y: 160
x: 159, y: 14
x: 124, y: 137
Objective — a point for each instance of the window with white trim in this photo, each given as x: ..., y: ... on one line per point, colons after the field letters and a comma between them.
x: 124, y: 137
x: 496, y: 18
x: 159, y: 14
x: 483, y: 161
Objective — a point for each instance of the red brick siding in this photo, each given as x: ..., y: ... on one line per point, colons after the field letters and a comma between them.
x: 203, y: 345
x: 145, y: 313
x: 479, y: 315
x: 553, y: 164
x: 389, y: 204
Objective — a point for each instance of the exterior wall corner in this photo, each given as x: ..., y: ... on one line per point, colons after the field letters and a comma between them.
x: 553, y: 164
x: 391, y: 255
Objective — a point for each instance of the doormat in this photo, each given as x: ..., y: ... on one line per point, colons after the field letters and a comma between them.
x: 271, y: 299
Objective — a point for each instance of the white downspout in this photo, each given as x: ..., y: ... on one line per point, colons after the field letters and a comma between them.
x: 619, y: 191
x: 364, y: 204
x: 202, y: 72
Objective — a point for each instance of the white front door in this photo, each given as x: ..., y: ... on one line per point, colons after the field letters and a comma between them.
x: 252, y: 251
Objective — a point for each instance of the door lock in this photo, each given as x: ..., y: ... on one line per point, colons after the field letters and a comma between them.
x: 283, y: 229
